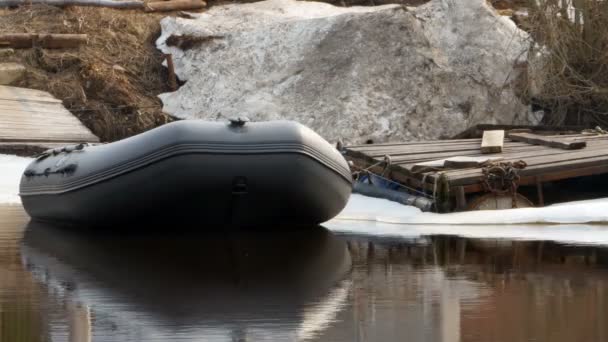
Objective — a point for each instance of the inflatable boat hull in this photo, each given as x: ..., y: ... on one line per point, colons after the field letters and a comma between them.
x: 193, y: 172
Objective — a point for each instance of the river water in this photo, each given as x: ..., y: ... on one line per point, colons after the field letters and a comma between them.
x: 308, y: 284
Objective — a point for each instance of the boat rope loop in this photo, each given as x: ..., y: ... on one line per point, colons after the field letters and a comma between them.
x: 502, y: 178
x: 387, y: 164
x: 387, y: 161
x: 65, y: 170
x: 56, y: 151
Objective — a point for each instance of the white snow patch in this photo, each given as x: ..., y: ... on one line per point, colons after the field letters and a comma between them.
x: 567, y: 222
x: 362, y: 208
x: 11, y: 168
x: 580, y: 234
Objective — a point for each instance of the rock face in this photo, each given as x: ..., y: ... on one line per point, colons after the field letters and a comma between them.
x: 383, y: 73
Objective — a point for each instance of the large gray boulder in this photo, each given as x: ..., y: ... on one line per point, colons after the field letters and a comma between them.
x: 384, y: 73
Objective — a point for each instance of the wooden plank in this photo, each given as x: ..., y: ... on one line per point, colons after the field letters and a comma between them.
x: 404, y: 148
x: 492, y: 141
x: 532, y: 151
x: 433, y: 149
x: 28, y: 115
x: 563, y: 143
x: 535, y: 152
x: 24, y: 94
x: 507, y: 153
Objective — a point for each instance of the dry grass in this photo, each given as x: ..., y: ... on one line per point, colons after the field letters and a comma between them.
x: 110, y: 83
x: 573, y: 72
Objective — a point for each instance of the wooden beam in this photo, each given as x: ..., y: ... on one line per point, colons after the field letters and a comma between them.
x: 174, y: 5
x: 43, y: 40
x: 535, y: 139
x: 492, y: 141
x: 461, y: 200
x: 539, y: 192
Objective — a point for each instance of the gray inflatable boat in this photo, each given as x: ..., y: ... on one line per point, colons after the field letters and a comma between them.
x: 194, y: 172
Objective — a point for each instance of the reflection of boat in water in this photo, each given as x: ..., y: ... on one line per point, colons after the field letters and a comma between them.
x: 272, y: 283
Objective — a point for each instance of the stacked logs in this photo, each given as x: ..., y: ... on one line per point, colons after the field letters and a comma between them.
x: 61, y: 41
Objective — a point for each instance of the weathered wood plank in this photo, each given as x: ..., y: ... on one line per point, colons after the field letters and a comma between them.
x: 34, y: 116
x: 24, y: 95
x: 535, y: 139
x: 507, y: 152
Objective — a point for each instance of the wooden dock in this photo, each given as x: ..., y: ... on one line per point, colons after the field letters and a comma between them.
x: 33, y: 120
x: 405, y: 163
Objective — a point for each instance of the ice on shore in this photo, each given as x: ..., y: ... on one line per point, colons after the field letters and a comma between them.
x: 11, y: 168
x: 582, y: 222
x: 362, y: 208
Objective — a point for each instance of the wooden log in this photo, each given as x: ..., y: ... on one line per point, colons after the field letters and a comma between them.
x: 534, y: 139
x: 174, y: 5
x: 492, y: 141
x: 126, y: 4
x: 461, y: 199
x: 520, y: 130
x: 171, y: 78
x: 539, y: 192
x: 44, y: 40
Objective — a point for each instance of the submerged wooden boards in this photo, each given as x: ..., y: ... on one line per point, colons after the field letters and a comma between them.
x: 544, y: 163
x: 31, y: 118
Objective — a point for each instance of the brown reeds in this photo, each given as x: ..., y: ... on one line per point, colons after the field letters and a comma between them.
x: 569, y: 61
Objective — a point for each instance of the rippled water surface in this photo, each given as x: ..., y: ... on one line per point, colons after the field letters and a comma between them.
x: 294, y: 285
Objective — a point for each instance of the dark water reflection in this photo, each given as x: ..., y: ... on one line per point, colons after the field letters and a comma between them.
x: 293, y: 285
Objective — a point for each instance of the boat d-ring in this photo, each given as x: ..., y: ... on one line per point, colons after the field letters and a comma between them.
x: 239, y: 121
